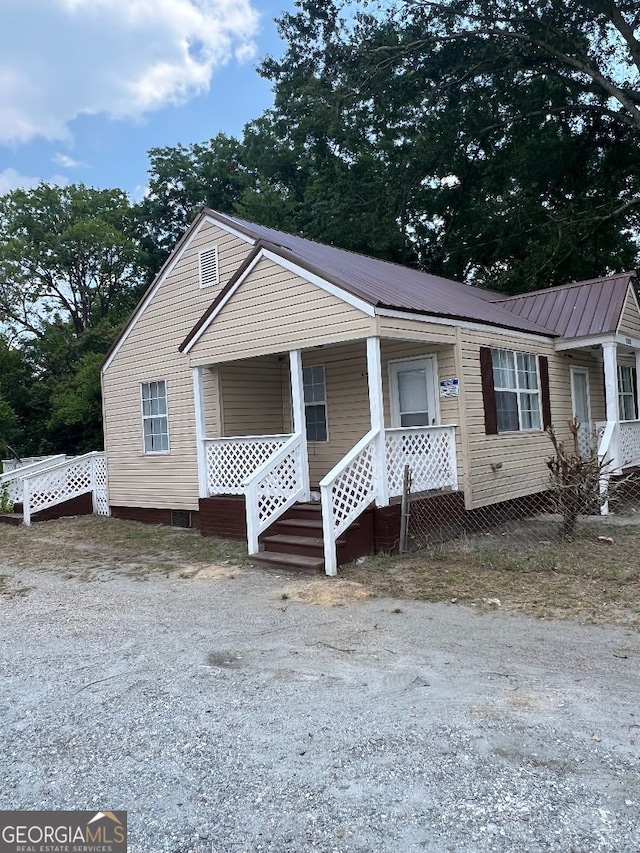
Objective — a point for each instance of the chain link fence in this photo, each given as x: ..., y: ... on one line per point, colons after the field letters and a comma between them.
x: 435, y: 519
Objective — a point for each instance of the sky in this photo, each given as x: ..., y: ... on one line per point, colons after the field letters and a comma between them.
x: 87, y: 87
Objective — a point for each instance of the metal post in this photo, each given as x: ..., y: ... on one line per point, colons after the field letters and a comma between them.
x: 404, y: 512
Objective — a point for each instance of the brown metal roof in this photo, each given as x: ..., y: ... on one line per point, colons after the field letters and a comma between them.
x: 384, y: 284
x: 573, y: 310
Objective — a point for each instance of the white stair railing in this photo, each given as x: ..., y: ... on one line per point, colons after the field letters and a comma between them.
x: 346, y: 492
x: 64, y: 481
x: 233, y: 460
x: 281, y: 481
x: 430, y: 453
x: 12, y: 480
x: 629, y: 443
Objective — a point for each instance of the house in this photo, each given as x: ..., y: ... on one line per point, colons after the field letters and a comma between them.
x: 262, y: 370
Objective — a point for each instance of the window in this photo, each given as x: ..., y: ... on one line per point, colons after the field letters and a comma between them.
x: 155, y: 426
x: 315, y: 402
x: 209, y: 272
x: 626, y: 393
x: 515, y: 380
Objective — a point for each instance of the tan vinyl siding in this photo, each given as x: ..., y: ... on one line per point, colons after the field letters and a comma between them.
x: 274, y: 310
x: 630, y: 318
x: 348, y: 417
x: 150, y: 351
x: 407, y: 329
x: 253, y: 396
x: 522, y: 454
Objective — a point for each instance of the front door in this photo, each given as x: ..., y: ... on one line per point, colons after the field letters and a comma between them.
x: 413, y: 392
x: 581, y: 407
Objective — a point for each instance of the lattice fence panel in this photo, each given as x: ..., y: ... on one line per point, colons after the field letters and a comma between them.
x: 630, y: 444
x: 279, y: 486
x: 100, y: 485
x: 60, y: 484
x: 430, y: 455
x: 231, y: 462
x: 354, y: 488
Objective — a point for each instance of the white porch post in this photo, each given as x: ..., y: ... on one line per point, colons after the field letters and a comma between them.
x: 376, y: 408
x: 298, y: 415
x: 609, y: 354
x: 198, y: 399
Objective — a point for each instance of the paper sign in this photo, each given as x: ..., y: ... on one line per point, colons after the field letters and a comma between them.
x: 448, y: 387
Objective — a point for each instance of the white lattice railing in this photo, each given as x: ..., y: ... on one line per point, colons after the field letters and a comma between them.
x: 232, y: 461
x: 430, y: 453
x: 346, y: 491
x: 64, y: 481
x: 12, y: 480
x: 629, y: 443
x: 275, y: 486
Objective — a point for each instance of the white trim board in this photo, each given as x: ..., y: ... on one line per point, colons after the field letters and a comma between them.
x: 635, y: 299
x: 267, y: 254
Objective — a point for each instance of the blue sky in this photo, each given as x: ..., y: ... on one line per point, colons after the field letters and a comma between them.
x: 88, y: 86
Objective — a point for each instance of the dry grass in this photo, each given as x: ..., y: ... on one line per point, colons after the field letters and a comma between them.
x: 586, y: 579
x: 82, y: 547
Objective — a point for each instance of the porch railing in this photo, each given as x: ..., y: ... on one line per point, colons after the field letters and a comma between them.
x: 346, y: 492
x: 12, y: 480
x: 64, y: 481
x: 629, y: 443
x: 276, y: 485
x: 233, y: 460
x: 430, y: 453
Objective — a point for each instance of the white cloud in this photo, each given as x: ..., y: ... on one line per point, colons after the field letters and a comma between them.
x: 10, y: 179
x: 122, y: 58
x: 66, y: 162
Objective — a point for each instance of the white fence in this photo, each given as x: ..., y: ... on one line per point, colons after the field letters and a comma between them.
x: 629, y: 444
x: 232, y: 461
x: 430, y: 453
x: 46, y: 484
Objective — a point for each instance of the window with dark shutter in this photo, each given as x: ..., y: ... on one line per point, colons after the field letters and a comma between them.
x: 515, y: 390
x: 488, y: 392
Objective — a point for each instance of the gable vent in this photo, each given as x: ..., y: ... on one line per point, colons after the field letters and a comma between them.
x: 209, y: 273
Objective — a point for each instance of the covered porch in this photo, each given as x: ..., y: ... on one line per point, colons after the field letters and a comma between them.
x: 335, y: 424
x: 617, y: 434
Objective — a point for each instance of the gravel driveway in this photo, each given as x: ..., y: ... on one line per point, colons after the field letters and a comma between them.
x: 224, y: 717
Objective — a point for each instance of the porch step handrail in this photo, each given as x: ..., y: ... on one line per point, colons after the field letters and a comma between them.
x: 346, y: 491
x: 629, y: 443
x: 66, y: 480
x: 229, y: 467
x: 275, y: 486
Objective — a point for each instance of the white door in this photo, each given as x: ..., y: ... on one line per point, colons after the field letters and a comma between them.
x: 413, y: 392
x: 581, y: 406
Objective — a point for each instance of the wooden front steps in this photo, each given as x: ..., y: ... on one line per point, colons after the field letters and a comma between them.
x: 11, y: 518
x: 295, y: 541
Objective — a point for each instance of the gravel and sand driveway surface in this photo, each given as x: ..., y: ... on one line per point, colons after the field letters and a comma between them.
x: 226, y: 713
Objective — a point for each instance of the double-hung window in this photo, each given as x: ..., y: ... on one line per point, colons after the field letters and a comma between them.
x: 315, y: 402
x: 626, y: 393
x: 517, y: 390
x: 155, y: 424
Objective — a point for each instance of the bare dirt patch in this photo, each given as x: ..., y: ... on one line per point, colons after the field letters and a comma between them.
x: 327, y: 594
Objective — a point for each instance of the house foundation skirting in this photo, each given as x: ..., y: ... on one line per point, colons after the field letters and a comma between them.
x: 82, y: 505
x: 151, y: 515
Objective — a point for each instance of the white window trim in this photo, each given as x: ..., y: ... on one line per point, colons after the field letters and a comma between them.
x: 143, y: 417
x: 621, y: 393
x: 393, y: 365
x: 518, y: 391
x: 317, y: 403
x: 202, y: 252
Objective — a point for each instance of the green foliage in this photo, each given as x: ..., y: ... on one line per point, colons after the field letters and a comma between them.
x: 6, y: 504
x: 67, y: 254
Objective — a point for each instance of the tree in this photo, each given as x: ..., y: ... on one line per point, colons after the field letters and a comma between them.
x: 71, y: 253
x: 504, y: 136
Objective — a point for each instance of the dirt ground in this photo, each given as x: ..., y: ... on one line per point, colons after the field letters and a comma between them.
x: 228, y: 708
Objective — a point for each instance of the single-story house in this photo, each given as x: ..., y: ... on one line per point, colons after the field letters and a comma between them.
x: 262, y: 370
